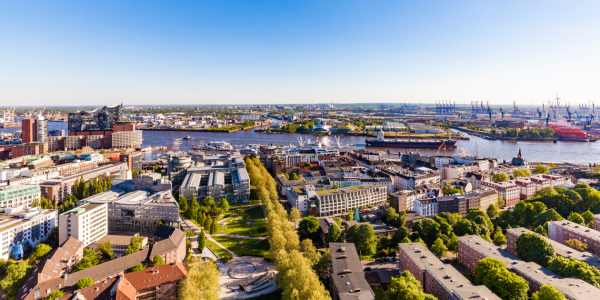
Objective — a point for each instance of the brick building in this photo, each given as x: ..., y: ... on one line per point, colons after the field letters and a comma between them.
x: 473, y: 248
x: 438, y: 279
x: 562, y: 231
x: 459, y: 204
x: 508, y: 190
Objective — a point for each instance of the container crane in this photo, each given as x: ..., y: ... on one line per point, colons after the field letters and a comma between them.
x: 569, y: 113
x: 502, y: 113
x: 489, y: 110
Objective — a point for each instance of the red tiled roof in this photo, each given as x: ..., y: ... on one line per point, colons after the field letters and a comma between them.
x: 156, y: 276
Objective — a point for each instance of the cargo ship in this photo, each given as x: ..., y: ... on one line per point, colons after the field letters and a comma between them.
x: 564, y: 132
x: 380, y: 141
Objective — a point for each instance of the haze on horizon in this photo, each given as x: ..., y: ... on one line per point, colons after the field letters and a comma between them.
x: 272, y: 52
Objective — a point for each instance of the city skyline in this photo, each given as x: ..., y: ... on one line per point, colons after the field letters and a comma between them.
x: 310, y: 52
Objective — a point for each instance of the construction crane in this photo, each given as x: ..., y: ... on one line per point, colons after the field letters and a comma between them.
x: 518, y: 112
x: 41, y: 112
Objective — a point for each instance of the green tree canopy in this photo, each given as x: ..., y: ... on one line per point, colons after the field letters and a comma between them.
x: 570, y: 267
x: 182, y: 204
x: 90, y: 259
x: 406, y: 287
x: 492, y: 273
x: 55, y: 294
x: 493, y: 211
x: 540, y: 169
x: 438, y: 248
x: 548, y: 216
x: 201, y: 240
x: 158, y: 261
x: 334, y: 234
x: 84, y: 282
x: 548, y: 292
x: 308, y: 227
x: 499, y: 177
x: 295, y: 214
x: 576, y: 218
x: 138, y: 267
x: 453, y: 243
x: 223, y: 204
x: 39, y: 251
x: 294, y: 176
x: 533, y: 247
x: 499, y: 238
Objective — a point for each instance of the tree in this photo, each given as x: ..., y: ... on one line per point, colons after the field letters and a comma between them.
x: 541, y: 231
x: 294, y: 176
x: 209, y: 201
x: 308, y: 228
x: 477, y: 215
x: 215, y: 228
x: 192, y: 210
x: 548, y: 292
x: 391, y: 216
x: 90, y: 259
x: 156, y: 169
x: 570, y: 267
x: 335, y: 187
x: 157, y: 261
x: 438, y: 248
x: 577, y: 245
x: 576, y: 218
x: 400, y: 234
x: 420, y: 240
x: 295, y: 214
x: 545, y: 192
x: 453, y: 243
x: 201, y: 282
x: 106, y: 250
x: 207, y: 223
x: 493, y: 211
x: 492, y: 273
x: 349, y: 216
x: 588, y: 217
x: 334, y: 234
x: 308, y: 165
x: 39, y: 251
x: 366, y: 242
x: 201, y: 240
x: 549, y: 215
x: 401, y: 222
x: 84, y: 282
x: 405, y: 240
x: 540, y: 170
x: 533, y: 247
x: 500, y: 202
x: 138, y: 267
x: 55, y: 294
x: 499, y: 238
x: 183, y: 206
x: 15, y: 278
x: 223, y: 204
x: 406, y: 287
x: 450, y: 190
x: 135, y: 245
x: 499, y: 177
x: 427, y: 229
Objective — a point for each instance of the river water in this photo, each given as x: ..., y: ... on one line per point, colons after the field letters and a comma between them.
x: 573, y: 152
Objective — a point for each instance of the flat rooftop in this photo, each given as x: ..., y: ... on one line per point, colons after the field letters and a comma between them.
x: 82, y: 209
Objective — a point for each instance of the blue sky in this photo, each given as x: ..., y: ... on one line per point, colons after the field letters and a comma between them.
x: 255, y: 52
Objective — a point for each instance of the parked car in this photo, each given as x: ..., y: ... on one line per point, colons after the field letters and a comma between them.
x: 368, y: 269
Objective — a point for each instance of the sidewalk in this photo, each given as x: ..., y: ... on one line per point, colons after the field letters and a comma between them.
x: 193, y: 227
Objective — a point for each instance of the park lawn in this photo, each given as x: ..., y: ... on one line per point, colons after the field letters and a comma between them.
x: 214, y: 247
x: 248, y: 247
x: 378, y: 292
x: 240, y: 227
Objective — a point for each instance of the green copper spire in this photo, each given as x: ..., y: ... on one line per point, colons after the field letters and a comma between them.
x: 356, y: 214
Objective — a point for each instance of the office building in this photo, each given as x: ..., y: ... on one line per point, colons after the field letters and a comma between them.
x: 138, y: 204
x: 217, y: 176
x: 34, y: 130
x: 19, y: 195
x: 334, y: 202
x: 87, y: 223
x: 21, y: 230
x: 438, y: 279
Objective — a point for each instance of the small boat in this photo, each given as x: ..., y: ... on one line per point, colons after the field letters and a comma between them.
x: 147, y: 149
x: 187, y: 137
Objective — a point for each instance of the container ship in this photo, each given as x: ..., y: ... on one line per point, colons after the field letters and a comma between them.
x: 380, y: 141
x: 564, y: 131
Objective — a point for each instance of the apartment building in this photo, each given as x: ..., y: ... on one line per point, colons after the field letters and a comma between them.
x: 284, y: 184
x: 346, y: 272
x: 597, y: 222
x: 387, y: 182
x: 337, y: 201
x: 87, y: 162
x: 39, y: 285
x: 87, y: 223
x: 138, y: 204
x: 55, y: 190
x: 561, y: 250
x: 562, y: 231
x: 19, y: 195
x: 22, y: 230
x: 473, y: 248
x: 217, y: 176
x: 407, y: 179
x: 487, y: 197
x: 438, y: 279
x: 404, y: 200
x: 426, y: 207
x: 508, y: 190
x: 528, y: 188
x: 459, y: 204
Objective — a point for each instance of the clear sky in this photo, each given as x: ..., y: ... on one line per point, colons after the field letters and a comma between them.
x: 303, y: 51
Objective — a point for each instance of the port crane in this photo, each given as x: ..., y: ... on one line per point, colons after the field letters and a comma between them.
x: 502, y: 113
x: 518, y: 112
x: 569, y: 113
x: 489, y: 110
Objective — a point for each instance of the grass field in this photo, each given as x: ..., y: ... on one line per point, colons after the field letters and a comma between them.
x: 218, y: 250
x: 240, y: 227
x: 247, y: 248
